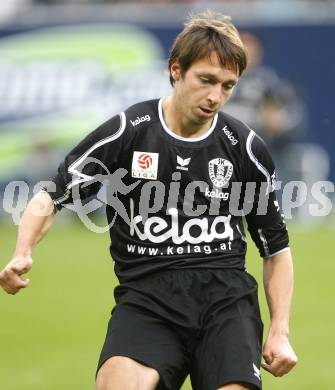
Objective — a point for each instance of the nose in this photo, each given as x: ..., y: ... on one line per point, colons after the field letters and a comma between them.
x: 215, y: 93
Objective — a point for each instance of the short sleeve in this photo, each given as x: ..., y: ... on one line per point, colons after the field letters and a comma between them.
x: 95, y: 155
x: 265, y: 221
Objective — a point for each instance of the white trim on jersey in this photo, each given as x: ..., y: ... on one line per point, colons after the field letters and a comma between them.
x: 277, y: 253
x: 80, y: 177
x: 242, y: 235
x: 172, y: 134
x: 264, y: 242
x: 253, y: 158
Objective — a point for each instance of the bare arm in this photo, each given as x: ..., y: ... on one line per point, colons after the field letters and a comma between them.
x: 35, y: 222
x: 278, y: 284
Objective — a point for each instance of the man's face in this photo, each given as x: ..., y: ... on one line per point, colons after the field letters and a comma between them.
x: 203, y: 89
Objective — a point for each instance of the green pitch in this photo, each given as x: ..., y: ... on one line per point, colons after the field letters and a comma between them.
x: 51, y: 333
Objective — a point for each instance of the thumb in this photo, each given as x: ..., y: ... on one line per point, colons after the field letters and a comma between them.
x: 268, y: 361
x: 25, y: 283
x: 266, y: 366
x: 268, y: 356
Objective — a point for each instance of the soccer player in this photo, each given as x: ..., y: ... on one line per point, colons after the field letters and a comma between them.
x: 180, y: 172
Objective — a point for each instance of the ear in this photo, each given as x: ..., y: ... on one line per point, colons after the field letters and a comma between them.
x: 175, y: 71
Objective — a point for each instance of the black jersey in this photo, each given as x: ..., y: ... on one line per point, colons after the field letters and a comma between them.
x: 175, y: 202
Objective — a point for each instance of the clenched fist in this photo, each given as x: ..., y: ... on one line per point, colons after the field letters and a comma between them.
x: 278, y: 355
x: 10, y: 278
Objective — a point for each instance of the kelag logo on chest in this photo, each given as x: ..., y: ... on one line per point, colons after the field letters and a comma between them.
x: 145, y: 165
x: 220, y: 171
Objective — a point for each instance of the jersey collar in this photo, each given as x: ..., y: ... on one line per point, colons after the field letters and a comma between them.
x: 186, y: 139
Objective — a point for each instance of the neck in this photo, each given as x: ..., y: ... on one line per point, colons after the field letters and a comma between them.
x: 179, y: 123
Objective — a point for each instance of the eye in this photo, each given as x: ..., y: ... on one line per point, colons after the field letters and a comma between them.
x: 204, y: 80
x: 228, y: 87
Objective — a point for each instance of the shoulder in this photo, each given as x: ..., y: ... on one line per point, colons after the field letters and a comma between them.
x: 260, y: 160
x: 141, y: 114
x: 233, y: 130
x: 239, y: 132
x: 128, y: 121
x: 253, y: 151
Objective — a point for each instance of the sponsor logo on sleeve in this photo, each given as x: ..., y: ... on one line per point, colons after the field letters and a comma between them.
x: 230, y: 136
x: 138, y: 120
x: 145, y: 165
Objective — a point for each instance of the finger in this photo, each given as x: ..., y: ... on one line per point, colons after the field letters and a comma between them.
x: 12, y: 290
x: 25, y: 283
x: 18, y: 269
x: 280, y: 369
x: 12, y: 277
x: 21, y: 267
x: 9, y: 289
x: 286, y: 366
x: 269, y: 368
x: 268, y: 357
x: 12, y: 283
x: 266, y: 367
x: 274, y: 368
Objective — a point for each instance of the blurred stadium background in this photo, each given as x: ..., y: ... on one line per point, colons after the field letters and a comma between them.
x: 66, y: 66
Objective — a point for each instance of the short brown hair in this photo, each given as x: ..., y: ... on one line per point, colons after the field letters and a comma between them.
x: 203, y: 34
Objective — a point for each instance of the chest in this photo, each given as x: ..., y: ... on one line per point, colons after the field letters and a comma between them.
x: 214, y: 165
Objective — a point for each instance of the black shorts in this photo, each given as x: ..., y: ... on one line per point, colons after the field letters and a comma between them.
x: 205, y: 323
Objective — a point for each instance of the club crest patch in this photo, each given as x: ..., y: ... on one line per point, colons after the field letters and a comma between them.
x: 220, y: 171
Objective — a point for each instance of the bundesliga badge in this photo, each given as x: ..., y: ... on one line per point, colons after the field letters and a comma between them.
x: 220, y: 171
x: 145, y: 165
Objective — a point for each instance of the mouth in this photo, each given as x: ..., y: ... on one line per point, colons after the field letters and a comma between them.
x: 207, y: 112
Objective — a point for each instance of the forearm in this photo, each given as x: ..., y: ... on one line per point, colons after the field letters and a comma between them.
x: 34, y: 224
x: 278, y: 285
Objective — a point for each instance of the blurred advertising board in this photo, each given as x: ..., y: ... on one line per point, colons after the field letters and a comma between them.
x: 58, y: 83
